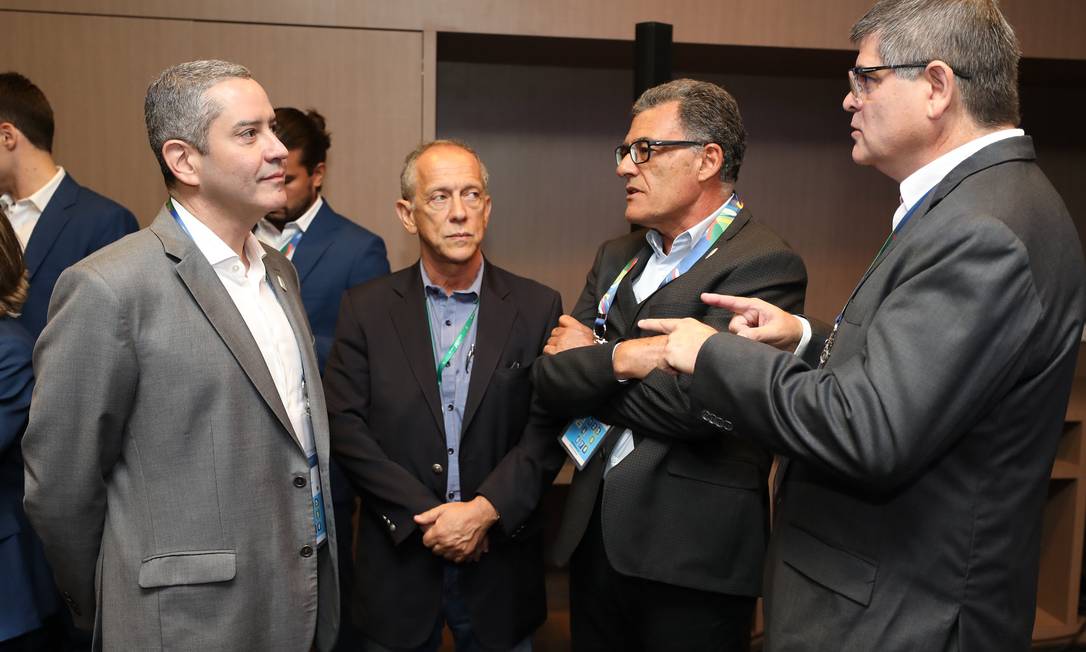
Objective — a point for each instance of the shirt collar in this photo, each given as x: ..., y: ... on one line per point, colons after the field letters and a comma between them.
x: 917, y: 184
x: 40, y: 197
x: 212, y: 246
x: 472, y: 289
x: 686, y: 239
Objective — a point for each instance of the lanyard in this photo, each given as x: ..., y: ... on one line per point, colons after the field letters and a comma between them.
x: 456, y: 342
x: 824, y: 357
x: 177, y: 218
x: 289, y: 247
x: 722, y: 220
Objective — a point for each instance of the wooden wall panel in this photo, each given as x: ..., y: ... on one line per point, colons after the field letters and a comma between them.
x: 1051, y: 29
x: 95, y: 71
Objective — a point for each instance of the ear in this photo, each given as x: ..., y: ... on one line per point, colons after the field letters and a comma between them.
x: 943, y: 85
x: 712, y: 161
x: 183, y: 161
x: 316, y: 179
x: 407, y: 218
x: 9, y: 135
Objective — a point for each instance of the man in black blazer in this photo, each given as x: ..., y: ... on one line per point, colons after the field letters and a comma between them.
x: 58, y: 221
x: 667, y: 523
x: 923, y: 426
x: 434, y: 422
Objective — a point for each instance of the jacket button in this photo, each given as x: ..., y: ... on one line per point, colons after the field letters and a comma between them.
x: 727, y: 425
x: 391, y: 527
x: 299, y: 481
x: 306, y: 551
x: 437, y: 469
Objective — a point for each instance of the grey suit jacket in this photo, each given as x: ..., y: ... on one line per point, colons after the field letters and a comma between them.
x: 162, y: 472
x: 689, y: 505
x: 911, y: 513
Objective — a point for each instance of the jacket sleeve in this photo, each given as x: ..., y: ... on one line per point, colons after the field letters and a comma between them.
x: 87, y: 375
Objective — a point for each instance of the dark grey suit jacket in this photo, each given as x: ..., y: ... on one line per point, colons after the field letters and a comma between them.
x: 688, y: 505
x: 162, y: 471
x: 911, y: 512
x: 389, y: 437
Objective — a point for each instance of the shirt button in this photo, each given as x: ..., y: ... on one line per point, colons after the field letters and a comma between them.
x: 448, y: 363
x: 452, y: 494
x: 299, y: 482
x: 236, y: 267
x: 448, y: 322
x: 449, y: 407
x: 450, y: 451
x: 306, y: 551
x: 437, y: 469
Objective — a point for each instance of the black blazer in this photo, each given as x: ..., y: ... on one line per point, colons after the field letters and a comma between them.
x: 388, y: 433
x: 910, y: 516
x: 688, y: 506
x: 76, y: 222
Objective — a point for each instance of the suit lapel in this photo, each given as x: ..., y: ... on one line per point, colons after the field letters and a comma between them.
x: 413, y: 329
x: 52, y: 221
x: 206, y: 288
x: 318, y: 237
x: 496, y: 317
x: 280, y: 278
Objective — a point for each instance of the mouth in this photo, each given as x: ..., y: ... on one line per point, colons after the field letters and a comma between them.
x: 459, y: 236
x: 275, y: 177
x: 631, y: 191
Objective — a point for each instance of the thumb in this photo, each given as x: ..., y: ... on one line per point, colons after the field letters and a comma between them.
x: 664, y: 326
x: 429, y: 517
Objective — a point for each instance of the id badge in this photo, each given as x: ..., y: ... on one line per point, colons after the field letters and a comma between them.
x: 582, y: 438
x: 318, y: 500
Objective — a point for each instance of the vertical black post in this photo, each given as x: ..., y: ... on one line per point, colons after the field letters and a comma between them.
x: 652, y: 56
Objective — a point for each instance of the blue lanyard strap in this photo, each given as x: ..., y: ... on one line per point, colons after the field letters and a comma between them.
x: 177, y: 218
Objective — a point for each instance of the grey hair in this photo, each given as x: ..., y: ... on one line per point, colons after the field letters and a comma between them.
x: 409, y: 174
x: 176, y: 108
x: 971, y: 36
x: 707, y: 113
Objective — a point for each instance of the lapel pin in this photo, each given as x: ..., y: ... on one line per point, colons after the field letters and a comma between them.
x: 710, y: 254
x: 281, y: 283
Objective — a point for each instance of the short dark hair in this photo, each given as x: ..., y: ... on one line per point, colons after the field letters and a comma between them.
x: 971, y: 36
x: 708, y: 113
x: 305, y: 132
x: 24, y: 105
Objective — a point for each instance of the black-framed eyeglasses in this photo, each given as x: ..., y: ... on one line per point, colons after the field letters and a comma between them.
x: 640, y: 150
x: 859, y: 81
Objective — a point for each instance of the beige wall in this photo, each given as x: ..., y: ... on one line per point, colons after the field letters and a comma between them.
x: 95, y: 71
x: 1048, y: 28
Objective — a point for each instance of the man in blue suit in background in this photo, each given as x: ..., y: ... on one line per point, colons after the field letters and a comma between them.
x: 58, y: 222
x: 331, y: 254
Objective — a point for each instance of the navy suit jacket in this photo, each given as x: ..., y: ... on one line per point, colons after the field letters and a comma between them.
x: 28, y: 595
x: 76, y: 222
x: 334, y: 254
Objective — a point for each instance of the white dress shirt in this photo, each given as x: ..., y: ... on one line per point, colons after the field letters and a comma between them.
x: 656, y: 270
x: 25, y: 213
x: 273, y: 237
x: 259, y: 307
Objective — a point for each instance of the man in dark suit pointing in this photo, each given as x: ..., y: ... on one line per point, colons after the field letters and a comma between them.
x: 922, y: 426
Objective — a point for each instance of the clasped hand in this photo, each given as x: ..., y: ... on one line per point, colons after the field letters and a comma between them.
x: 458, y: 531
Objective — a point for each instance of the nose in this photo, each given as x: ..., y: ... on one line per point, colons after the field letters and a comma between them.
x: 457, y: 210
x: 276, y: 150
x: 626, y: 167
x: 851, y: 103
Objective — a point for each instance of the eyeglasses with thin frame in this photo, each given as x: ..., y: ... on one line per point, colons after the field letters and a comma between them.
x: 641, y: 149
x: 859, y: 80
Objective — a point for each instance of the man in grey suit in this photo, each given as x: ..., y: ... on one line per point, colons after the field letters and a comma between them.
x: 666, y: 525
x: 922, y: 427
x: 177, y: 452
